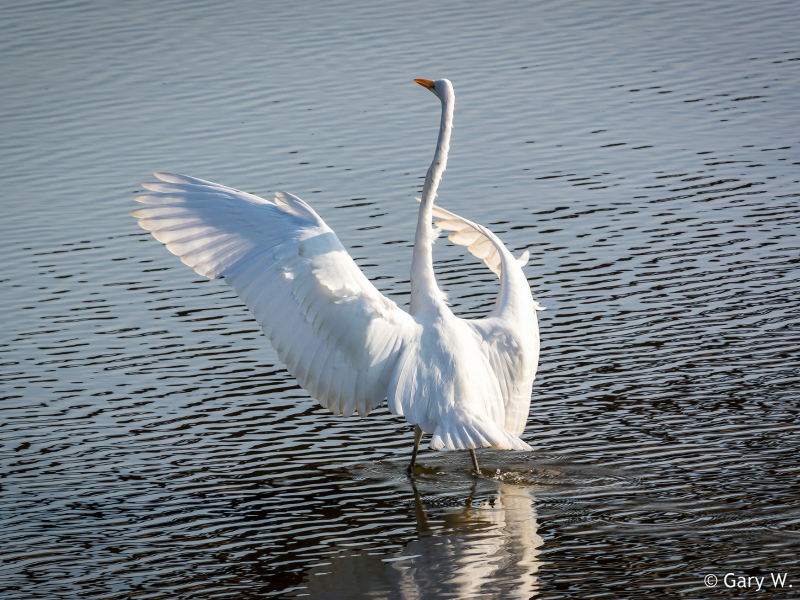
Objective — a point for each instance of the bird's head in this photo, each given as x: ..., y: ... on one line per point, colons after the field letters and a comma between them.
x: 441, y: 87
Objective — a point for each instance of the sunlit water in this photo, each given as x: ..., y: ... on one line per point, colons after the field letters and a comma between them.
x: 646, y: 155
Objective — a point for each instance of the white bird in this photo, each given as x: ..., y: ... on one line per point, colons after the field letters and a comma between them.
x: 466, y: 382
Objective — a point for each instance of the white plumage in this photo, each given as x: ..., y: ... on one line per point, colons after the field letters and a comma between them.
x: 466, y: 382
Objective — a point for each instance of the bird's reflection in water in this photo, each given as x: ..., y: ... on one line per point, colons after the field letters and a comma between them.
x: 486, y: 549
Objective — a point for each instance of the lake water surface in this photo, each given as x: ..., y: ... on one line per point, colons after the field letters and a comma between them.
x: 647, y: 154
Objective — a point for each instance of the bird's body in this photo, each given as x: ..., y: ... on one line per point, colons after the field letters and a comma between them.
x: 465, y: 382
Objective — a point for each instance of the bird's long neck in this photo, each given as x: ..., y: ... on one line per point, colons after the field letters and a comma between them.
x: 424, y: 290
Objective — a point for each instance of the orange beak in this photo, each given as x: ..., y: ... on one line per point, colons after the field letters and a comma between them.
x: 425, y: 83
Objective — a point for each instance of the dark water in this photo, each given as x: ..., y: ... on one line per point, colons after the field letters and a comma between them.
x: 646, y: 155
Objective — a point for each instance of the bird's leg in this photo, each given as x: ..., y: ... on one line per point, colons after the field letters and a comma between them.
x: 417, y: 438
x: 474, y: 461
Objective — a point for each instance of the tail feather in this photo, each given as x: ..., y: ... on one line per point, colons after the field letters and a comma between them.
x: 470, y: 433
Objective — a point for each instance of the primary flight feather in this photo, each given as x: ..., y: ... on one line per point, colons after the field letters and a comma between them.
x: 466, y: 382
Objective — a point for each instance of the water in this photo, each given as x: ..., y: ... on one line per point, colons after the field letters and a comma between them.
x: 646, y: 155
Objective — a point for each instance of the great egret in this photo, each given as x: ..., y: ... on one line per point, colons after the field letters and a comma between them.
x: 466, y: 382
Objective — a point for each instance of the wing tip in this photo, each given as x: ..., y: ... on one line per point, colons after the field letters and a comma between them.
x: 171, y: 177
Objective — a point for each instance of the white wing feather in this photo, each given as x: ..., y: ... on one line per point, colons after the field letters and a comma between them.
x: 335, y: 332
x: 465, y: 233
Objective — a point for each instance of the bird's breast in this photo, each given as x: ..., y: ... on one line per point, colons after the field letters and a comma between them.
x: 446, y: 371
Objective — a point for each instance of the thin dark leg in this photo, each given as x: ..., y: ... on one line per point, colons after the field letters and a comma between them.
x: 474, y: 461
x: 417, y: 438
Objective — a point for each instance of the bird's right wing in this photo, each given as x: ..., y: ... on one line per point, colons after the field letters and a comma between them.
x: 335, y: 332
x: 466, y: 233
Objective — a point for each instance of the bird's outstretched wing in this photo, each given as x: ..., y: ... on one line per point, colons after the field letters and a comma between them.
x: 510, y: 332
x: 465, y: 233
x: 335, y: 332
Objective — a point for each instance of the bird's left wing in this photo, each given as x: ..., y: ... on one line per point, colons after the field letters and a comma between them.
x: 335, y: 332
